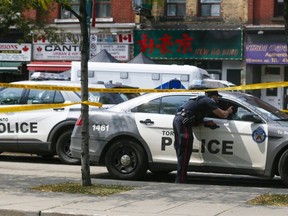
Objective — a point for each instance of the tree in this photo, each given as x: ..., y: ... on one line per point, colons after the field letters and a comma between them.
x: 12, y: 16
x: 84, y: 21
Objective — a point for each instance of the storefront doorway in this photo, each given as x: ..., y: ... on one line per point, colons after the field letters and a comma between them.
x: 273, y: 96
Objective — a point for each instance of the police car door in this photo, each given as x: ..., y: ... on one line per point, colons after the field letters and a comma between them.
x: 37, y: 124
x: 154, y: 121
x: 9, y: 126
x: 235, y: 143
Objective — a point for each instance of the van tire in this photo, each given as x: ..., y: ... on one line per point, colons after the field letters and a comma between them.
x: 283, y: 167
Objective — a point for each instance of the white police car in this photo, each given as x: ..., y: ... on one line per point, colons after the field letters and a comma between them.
x: 47, y: 132
x: 137, y: 135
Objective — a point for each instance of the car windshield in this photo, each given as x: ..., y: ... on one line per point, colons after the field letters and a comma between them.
x: 266, y: 109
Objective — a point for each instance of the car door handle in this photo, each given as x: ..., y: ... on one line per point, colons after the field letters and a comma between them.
x: 211, y: 125
x: 58, y: 109
x: 147, y: 122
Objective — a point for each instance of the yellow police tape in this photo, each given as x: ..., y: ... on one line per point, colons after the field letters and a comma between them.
x: 116, y: 90
x: 29, y: 107
x: 137, y: 90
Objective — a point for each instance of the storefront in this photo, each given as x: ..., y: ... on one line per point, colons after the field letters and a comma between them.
x: 56, y: 58
x: 220, y: 52
x: 13, y: 60
x: 266, y: 61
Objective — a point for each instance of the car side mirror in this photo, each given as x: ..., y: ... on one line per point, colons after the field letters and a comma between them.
x: 251, y: 117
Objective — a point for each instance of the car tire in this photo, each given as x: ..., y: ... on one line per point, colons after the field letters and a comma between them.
x: 63, y: 148
x: 126, y: 160
x: 283, y: 167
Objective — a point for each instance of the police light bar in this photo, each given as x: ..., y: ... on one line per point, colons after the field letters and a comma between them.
x: 205, y: 84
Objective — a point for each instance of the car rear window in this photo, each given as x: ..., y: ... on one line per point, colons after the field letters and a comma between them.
x: 109, y: 98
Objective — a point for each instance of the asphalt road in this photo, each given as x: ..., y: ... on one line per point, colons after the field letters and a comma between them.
x: 25, y: 164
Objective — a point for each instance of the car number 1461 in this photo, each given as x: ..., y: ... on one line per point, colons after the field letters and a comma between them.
x: 100, y: 127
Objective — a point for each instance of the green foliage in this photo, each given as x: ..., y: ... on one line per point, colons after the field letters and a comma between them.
x: 12, y: 19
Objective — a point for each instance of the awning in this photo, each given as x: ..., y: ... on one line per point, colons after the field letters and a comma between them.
x: 49, y: 66
x: 10, y: 67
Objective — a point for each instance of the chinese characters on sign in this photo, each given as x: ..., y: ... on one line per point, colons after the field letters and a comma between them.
x: 189, y: 44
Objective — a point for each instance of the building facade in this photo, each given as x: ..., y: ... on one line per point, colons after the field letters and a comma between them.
x: 242, y: 41
x: 266, y: 49
x: 207, y: 34
x: 111, y: 29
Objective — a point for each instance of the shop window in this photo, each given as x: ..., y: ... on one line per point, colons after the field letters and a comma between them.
x: 272, y: 71
x: 75, y: 5
x: 278, y: 8
x: 210, y: 8
x: 175, y: 8
x: 102, y: 7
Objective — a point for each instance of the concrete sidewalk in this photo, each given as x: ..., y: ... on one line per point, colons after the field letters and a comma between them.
x: 147, y: 199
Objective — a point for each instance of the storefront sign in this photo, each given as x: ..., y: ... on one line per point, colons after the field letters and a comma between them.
x: 115, y: 44
x: 190, y: 44
x: 120, y: 52
x: 69, y: 50
x: 261, y: 53
x: 15, y: 52
x: 103, y: 38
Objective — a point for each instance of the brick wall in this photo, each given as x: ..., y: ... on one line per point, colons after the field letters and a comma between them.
x: 122, y: 11
x: 54, y: 12
x: 232, y: 11
x: 263, y: 11
x: 30, y: 14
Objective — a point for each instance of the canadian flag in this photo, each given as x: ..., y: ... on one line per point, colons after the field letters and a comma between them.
x: 125, y: 38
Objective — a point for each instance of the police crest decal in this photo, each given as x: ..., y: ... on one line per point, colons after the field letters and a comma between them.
x: 259, y: 135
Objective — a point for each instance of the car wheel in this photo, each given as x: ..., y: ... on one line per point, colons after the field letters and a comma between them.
x: 63, y: 148
x: 283, y: 167
x: 126, y: 160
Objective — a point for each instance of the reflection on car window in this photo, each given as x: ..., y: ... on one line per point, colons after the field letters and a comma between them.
x: 266, y: 109
x: 171, y: 104
x: 44, y: 97
x: 10, y: 96
x: 238, y: 110
x: 109, y: 98
x: 58, y: 97
x: 165, y: 105
x: 149, y: 107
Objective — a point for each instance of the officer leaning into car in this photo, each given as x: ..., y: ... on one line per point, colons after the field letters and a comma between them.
x: 189, y: 115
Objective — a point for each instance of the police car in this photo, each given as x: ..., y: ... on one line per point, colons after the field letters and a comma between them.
x: 135, y: 136
x: 47, y: 132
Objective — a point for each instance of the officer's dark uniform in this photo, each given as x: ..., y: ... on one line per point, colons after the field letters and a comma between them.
x: 196, y: 109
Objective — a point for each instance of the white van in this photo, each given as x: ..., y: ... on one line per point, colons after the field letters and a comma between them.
x: 139, y: 75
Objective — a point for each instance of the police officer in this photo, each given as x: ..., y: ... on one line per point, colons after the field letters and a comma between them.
x: 191, y: 114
